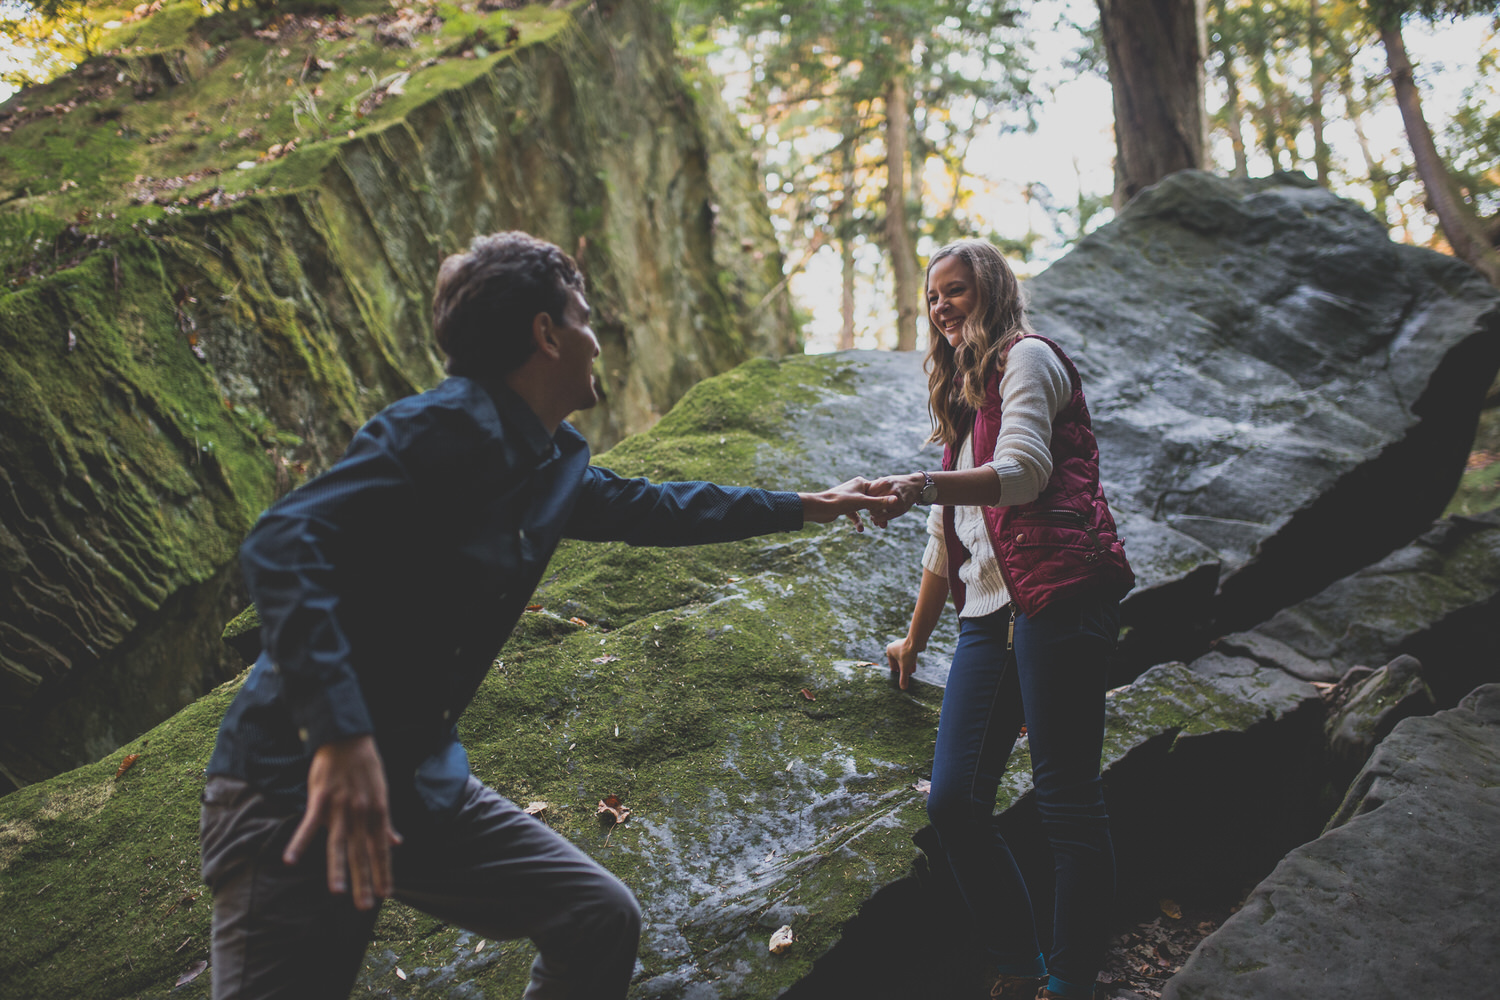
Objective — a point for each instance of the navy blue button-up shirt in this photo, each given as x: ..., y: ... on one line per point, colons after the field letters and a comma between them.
x: 387, y: 585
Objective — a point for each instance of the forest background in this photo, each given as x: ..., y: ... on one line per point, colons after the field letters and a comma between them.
x: 885, y: 128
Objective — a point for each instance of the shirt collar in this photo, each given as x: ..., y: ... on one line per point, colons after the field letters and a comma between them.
x: 516, y: 417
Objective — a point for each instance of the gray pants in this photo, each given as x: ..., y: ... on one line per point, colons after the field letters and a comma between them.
x: 491, y: 869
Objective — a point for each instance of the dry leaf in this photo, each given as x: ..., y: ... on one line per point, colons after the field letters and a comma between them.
x: 604, y: 659
x: 923, y: 785
x: 807, y: 694
x: 611, y: 810
x: 579, y: 622
x: 535, y: 808
x: 533, y: 607
x: 480, y: 946
x: 1171, y: 909
x: 782, y: 939
x: 401, y: 974
x: 192, y: 972
x: 127, y: 763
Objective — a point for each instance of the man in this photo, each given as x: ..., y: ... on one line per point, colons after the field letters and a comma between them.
x: 385, y: 588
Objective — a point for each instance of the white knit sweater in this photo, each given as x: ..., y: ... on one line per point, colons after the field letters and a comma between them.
x: 1033, y: 390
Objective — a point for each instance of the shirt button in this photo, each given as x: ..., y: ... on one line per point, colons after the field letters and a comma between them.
x: 447, y: 714
x: 458, y: 650
x: 1021, y: 537
x: 302, y: 734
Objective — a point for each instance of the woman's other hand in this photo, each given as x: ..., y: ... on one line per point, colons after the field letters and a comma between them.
x: 901, y: 656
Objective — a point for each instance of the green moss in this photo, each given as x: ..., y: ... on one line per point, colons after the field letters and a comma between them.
x: 99, y: 887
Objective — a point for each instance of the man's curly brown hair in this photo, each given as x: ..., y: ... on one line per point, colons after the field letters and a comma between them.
x: 487, y: 297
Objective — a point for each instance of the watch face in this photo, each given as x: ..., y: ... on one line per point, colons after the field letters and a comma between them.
x: 929, y: 493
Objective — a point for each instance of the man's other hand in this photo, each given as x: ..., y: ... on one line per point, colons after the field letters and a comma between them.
x: 346, y: 793
x: 847, y: 500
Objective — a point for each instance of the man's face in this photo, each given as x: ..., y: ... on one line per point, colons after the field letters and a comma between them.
x: 579, y: 349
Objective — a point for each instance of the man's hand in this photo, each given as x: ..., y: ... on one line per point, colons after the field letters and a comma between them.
x: 346, y: 793
x: 848, y: 499
x: 901, y: 657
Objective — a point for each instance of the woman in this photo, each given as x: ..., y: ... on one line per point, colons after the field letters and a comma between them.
x: 1024, y: 542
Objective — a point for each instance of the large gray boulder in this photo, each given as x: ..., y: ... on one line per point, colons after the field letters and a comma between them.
x: 1282, y: 394
x: 1399, y: 898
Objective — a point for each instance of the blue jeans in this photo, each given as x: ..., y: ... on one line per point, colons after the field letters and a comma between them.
x: 1054, y: 681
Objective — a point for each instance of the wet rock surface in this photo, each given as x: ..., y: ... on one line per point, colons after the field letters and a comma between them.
x: 1398, y: 898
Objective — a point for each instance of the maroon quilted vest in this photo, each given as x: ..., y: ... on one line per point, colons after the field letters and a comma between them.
x: 1064, y: 541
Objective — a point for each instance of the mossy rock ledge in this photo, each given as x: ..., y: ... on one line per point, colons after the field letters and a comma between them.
x: 192, y: 339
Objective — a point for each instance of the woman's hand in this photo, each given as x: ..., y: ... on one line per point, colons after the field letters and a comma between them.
x: 903, y: 491
x: 901, y: 656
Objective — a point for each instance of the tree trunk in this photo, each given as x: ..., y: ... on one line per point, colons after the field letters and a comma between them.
x: 1315, y: 104
x: 898, y: 241
x: 1460, y: 225
x: 1380, y: 180
x: 1233, y: 110
x: 1155, y: 50
x: 846, y: 236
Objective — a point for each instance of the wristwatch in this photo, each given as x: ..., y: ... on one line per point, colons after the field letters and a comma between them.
x: 929, y: 490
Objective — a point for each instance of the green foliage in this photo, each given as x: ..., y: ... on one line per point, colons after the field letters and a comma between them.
x: 820, y: 76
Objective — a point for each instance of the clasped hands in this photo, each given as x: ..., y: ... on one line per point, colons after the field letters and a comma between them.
x: 885, y: 499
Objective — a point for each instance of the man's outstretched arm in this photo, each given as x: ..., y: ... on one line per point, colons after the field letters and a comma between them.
x: 640, y: 512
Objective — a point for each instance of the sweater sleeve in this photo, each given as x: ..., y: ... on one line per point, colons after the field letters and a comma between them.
x: 1033, y: 390
x: 935, y: 558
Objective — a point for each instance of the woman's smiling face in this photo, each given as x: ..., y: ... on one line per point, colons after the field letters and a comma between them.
x: 951, y: 297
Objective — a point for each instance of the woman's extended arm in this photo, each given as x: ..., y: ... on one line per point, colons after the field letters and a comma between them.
x: 902, y: 654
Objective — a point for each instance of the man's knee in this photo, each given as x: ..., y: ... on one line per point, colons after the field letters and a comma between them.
x: 615, y: 908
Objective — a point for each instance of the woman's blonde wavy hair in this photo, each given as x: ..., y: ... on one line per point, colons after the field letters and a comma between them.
x: 956, y: 377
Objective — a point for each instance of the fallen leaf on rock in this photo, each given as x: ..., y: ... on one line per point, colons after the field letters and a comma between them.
x: 808, y: 694
x: 533, y: 607
x: 782, y: 939
x: 611, y: 811
x: 604, y: 659
x: 535, y: 808
x: 1171, y: 909
x: 480, y: 946
x: 579, y: 622
x: 127, y: 763
x: 922, y: 785
x: 192, y: 972
x: 400, y: 973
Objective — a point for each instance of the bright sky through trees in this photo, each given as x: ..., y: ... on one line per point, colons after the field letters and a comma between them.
x: 1072, y: 151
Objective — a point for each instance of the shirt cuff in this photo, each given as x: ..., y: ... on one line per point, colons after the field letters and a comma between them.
x: 935, y: 558
x: 786, y: 511
x: 1016, y: 484
x: 333, y: 713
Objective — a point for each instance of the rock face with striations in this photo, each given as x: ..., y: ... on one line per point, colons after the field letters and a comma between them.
x: 1400, y: 897
x: 183, y: 369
